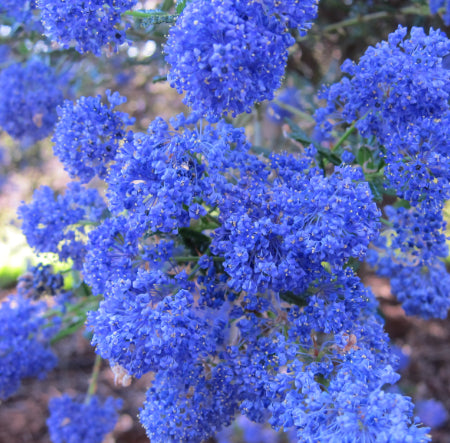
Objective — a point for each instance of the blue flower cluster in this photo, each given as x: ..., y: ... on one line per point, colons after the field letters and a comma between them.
x: 74, y: 421
x: 24, y: 343
x: 162, y: 178
x: 409, y: 254
x: 295, y: 14
x: 20, y: 11
x: 275, y: 235
x: 399, y: 93
x: 435, y: 5
x: 229, y: 275
x: 29, y: 95
x: 289, y: 96
x: 422, y: 291
x: 60, y: 225
x: 88, y: 135
x: 417, y: 234
x: 432, y: 412
x: 39, y: 281
x: 228, y: 54
x: 353, y: 407
x: 189, y: 406
x: 154, y: 334
x: 398, y: 98
x: 214, y: 352
x: 91, y: 24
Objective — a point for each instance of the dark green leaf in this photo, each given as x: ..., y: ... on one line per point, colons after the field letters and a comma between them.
x: 195, y: 241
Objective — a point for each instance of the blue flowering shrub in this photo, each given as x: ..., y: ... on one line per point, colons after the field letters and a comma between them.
x: 227, y: 270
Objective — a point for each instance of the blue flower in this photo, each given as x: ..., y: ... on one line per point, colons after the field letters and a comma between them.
x: 395, y: 83
x: 24, y: 343
x: 418, y: 233
x: 398, y: 94
x: 275, y: 235
x: 278, y: 114
x: 142, y: 327
x: 226, y: 55
x: 435, y: 5
x: 39, y: 281
x: 189, y: 405
x: 75, y: 421
x: 297, y: 14
x: 418, y: 160
x: 422, y: 290
x: 19, y: 10
x: 88, y: 135
x: 112, y: 254
x: 29, y: 95
x: 58, y: 224
x: 351, y: 406
x: 163, y: 178
x: 409, y: 254
x: 432, y: 412
x: 91, y: 24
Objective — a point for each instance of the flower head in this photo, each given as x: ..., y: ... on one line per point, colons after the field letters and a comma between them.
x: 75, y: 421
x: 24, y: 343
x: 226, y: 55
x: 29, y: 95
x: 91, y: 24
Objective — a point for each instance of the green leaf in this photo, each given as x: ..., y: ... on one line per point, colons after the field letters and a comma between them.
x: 290, y: 297
x: 353, y: 263
x: 364, y: 155
x: 400, y: 203
x: 167, y: 5
x: 298, y: 134
x: 377, y: 188
x: 330, y: 156
x: 180, y: 6
x: 195, y: 241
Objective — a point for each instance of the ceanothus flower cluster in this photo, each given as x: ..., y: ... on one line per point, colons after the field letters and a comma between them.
x: 422, y: 291
x: 410, y: 254
x: 21, y: 11
x: 353, y: 407
x: 39, y: 281
x: 229, y: 275
x: 59, y: 224
x: 163, y: 178
x: 88, y: 134
x: 399, y: 93
x: 29, y: 95
x: 417, y: 233
x: 91, y: 24
x: 73, y: 420
x: 276, y: 235
x: 24, y: 343
x: 228, y: 54
x: 397, y: 97
x: 296, y: 14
